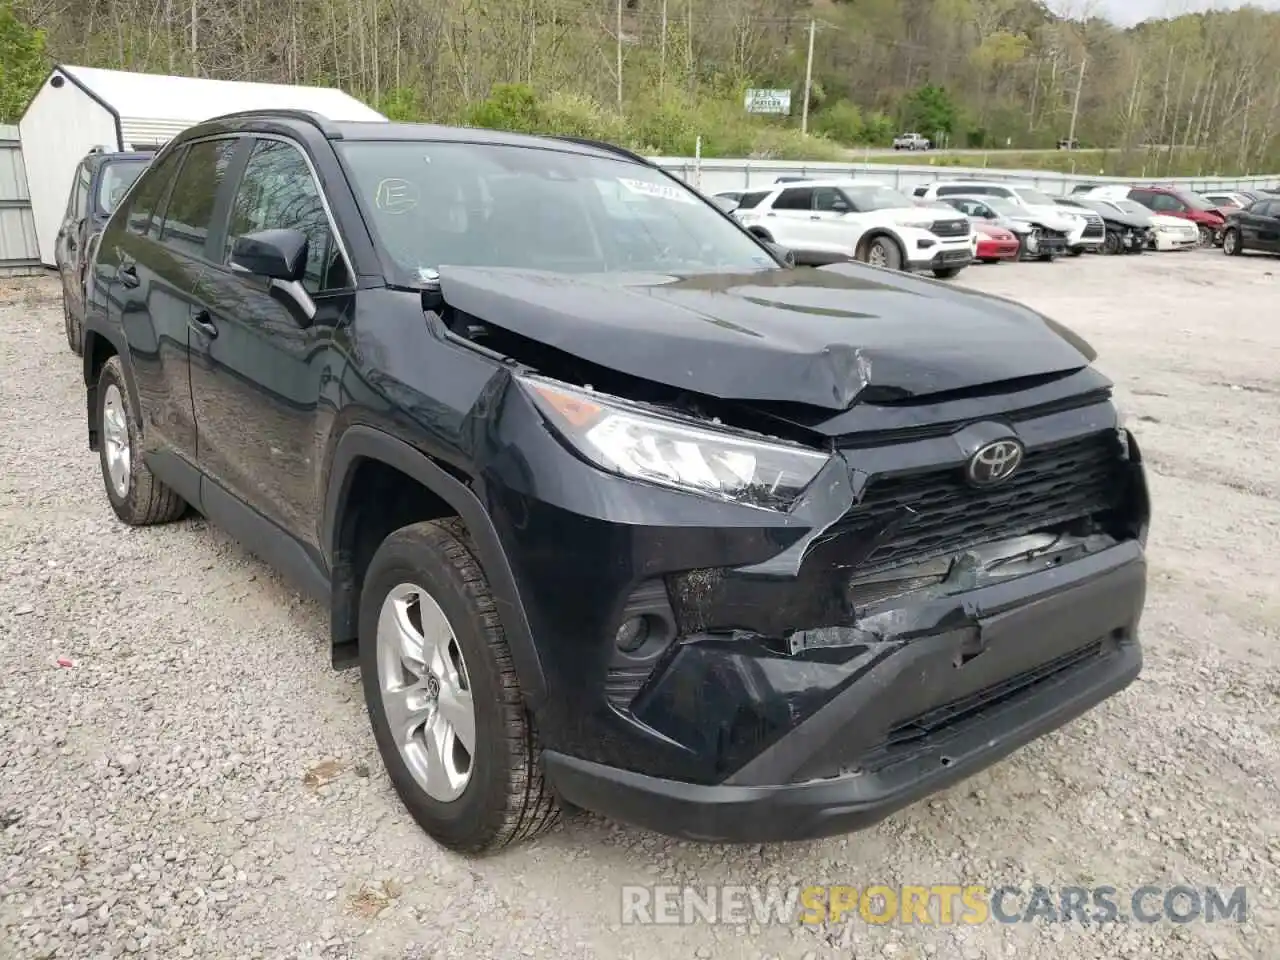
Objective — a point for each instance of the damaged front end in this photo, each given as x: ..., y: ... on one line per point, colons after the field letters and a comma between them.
x: 923, y: 607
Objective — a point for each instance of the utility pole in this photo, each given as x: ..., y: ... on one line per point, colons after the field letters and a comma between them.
x: 1075, y: 107
x: 619, y: 26
x: 662, y: 57
x: 808, y: 80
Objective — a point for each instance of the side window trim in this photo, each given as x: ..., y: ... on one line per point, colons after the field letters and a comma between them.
x: 241, y: 165
x: 156, y: 222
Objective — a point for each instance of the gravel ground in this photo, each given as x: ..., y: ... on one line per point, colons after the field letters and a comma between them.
x: 198, y: 783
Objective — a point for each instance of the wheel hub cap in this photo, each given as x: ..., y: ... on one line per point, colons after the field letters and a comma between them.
x: 426, y: 692
x: 877, y: 256
x: 115, y: 441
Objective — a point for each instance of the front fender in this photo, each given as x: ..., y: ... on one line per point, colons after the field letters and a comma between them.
x: 361, y: 442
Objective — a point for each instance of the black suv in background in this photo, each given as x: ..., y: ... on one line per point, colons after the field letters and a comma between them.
x: 609, y: 505
x: 100, y: 182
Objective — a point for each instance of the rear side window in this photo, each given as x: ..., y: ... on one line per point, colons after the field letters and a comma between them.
x: 750, y: 200
x: 78, y: 206
x: 189, y: 212
x: 921, y: 191
x: 146, y: 200
x: 797, y: 198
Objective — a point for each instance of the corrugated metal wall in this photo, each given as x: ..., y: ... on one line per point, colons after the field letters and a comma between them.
x: 19, y: 252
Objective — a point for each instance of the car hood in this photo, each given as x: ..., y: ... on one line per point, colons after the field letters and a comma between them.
x: 989, y: 229
x: 1051, y: 217
x: 821, y: 337
x: 1164, y: 220
x: 1124, y: 219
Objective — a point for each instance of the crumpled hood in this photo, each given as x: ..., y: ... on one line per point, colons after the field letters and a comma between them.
x: 812, y: 336
x: 1053, y: 218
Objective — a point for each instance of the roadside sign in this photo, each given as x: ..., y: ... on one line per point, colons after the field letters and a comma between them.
x: 768, y: 101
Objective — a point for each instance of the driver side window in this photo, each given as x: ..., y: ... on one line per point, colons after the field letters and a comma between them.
x: 277, y: 192
x: 830, y: 200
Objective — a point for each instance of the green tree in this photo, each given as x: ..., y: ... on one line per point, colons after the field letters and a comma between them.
x: 930, y: 110
x: 22, y: 64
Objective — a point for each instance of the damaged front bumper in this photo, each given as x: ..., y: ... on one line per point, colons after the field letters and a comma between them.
x: 725, y: 672
x: 877, y: 720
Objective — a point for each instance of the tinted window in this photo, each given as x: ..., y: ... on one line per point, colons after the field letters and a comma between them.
x: 794, y: 199
x: 190, y: 209
x: 115, y: 180
x: 750, y: 200
x: 829, y: 199
x: 1265, y: 208
x: 278, y: 192
x: 921, y: 191
x: 1165, y: 201
x: 79, y: 194
x: 149, y: 196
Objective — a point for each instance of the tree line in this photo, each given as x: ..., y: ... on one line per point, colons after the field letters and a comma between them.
x: 1198, y: 89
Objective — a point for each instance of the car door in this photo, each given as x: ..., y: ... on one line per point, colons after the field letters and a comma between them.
x: 258, y: 349
x: 1170, y: 205
x: 835, y: 222
x: 145, y: 269
x: 788, y: 220
x: 1265, y: 220
x: 71, y: 239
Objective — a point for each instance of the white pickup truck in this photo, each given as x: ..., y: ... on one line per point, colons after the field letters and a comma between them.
x: 910, y: 141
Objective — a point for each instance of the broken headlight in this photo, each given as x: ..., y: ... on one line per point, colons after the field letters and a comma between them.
x: 673, y: 452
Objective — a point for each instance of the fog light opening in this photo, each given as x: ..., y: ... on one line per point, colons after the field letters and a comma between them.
x: 633, y: 633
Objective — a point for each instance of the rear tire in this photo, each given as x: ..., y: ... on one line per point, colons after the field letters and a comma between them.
x: 136, y: 495
x: 501, y: 797
x: 1206, y: 236
x: 946, y: 273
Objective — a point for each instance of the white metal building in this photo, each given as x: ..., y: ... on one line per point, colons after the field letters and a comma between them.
x: 80, y: 108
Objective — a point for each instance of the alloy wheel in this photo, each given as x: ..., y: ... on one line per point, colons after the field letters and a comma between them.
x: 115, y: 439
x: 426, y: 692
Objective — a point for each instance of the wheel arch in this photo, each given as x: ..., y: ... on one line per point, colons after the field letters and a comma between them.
x: 99, y: 347
x: 359, y: 445
x: 875, y: 233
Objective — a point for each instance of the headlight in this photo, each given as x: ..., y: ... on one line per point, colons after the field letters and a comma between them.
x: 674, y: 453
x: 918, y: 224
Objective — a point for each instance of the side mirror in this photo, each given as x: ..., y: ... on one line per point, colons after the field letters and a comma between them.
x: 839, y: 207
x: 274, y: 254
x: 785, y: 254
x: 281, y: 257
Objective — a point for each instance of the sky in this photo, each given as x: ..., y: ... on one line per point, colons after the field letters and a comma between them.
x: 1128, y: 12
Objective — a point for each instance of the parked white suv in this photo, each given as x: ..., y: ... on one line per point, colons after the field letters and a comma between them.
x: 910, y: 141
x: 1087, y: 233
x: 826, y: 221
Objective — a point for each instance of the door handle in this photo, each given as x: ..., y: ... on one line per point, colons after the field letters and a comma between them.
x: 201, y: 322
x: 127, y: 274
x: 815, y: 217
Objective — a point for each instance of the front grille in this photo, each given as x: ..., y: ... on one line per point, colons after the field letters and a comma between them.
x: 949, y: 228
x: 1094, y: 230
x: 1067, y: 481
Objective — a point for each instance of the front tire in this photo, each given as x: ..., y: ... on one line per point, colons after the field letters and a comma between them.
x: 136, y: 495
x: 1231, y: 244
x: 442, y: 694
x: 1206, y: 236
x: 1112, y: 244
x: 882, y: 251
x: 946, y: 273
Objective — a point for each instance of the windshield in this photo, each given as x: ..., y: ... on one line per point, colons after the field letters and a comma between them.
x: 117, y: 177
x: 1035, y: 197
x: 868, y: 198
x: 1131, y: 206
x: 1004, y: 206
x: 430, y: 204
x: 1195, y: 201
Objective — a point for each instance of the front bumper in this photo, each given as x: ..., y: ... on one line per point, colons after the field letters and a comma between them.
x: 940, y: 254
x: 1076, y: 645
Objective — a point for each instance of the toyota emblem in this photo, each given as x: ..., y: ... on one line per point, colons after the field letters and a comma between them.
x: 994, y: 463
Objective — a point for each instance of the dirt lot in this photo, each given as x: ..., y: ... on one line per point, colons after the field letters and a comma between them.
x: 200, y: 784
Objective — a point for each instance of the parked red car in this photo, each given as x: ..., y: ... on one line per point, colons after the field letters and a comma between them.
x: 1187, y: 205
x: 995, y: 243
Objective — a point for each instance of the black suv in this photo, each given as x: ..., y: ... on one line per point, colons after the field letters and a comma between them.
x: 609, y: 505
x: 101, y: 180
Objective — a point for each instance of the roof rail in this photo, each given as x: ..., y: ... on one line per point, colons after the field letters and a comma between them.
x: 267, y: 113
x: 606, y: 146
